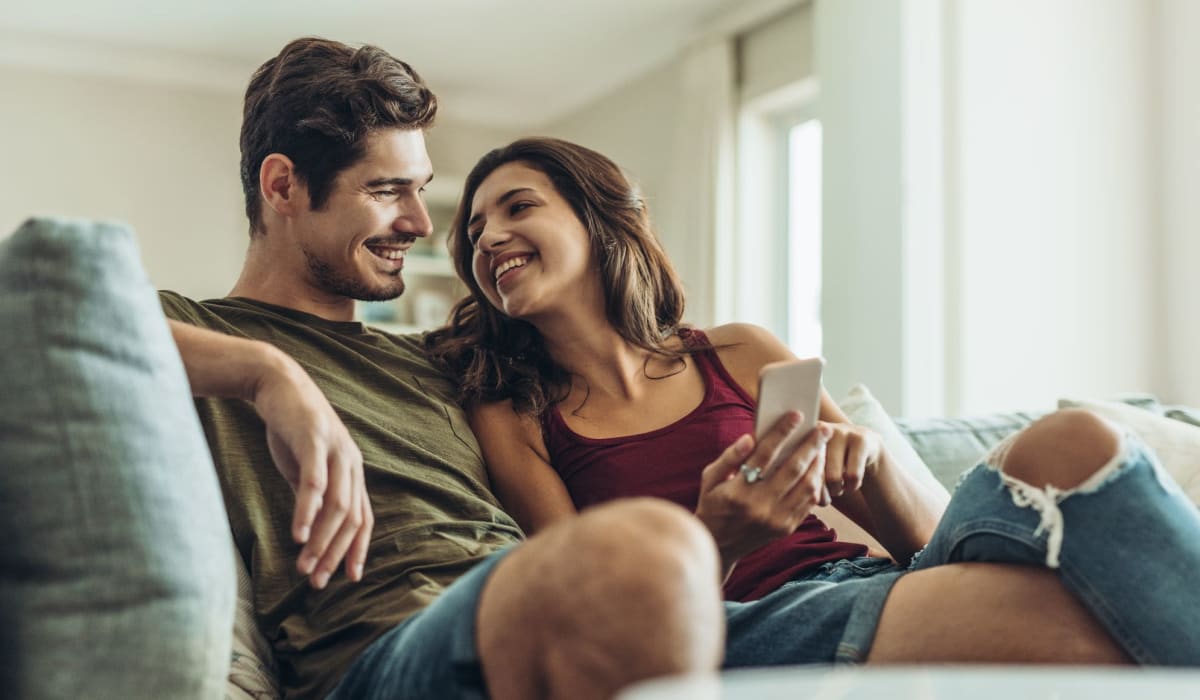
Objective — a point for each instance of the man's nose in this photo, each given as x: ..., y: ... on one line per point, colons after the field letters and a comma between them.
x: 415, y: 222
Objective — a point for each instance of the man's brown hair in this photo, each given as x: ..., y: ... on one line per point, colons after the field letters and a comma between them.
x: 316, y: 102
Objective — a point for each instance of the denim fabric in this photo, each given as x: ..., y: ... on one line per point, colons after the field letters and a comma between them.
x: 828, y: 614
x: 1127, y: 545
x: 116, y: 572
x: 431, y: 654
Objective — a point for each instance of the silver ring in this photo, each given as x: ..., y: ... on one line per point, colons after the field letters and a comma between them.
x: 750, y: 474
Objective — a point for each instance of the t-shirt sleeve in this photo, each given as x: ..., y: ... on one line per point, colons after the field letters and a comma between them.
x: 179, y: 308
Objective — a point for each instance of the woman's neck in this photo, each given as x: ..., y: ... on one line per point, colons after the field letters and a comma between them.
x: 597, y: 357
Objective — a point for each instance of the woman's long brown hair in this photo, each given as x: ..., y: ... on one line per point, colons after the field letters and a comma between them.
x: 495, y: 357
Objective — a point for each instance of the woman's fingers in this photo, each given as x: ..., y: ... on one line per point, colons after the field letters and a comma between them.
x: 809, y: 461
x: 726, y: 464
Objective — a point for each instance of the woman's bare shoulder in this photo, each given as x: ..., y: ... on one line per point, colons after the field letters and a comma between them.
x: 744, y: 348
x: 741, y: 334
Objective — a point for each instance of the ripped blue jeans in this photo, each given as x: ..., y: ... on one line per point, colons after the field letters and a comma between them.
x: 1126, y: 543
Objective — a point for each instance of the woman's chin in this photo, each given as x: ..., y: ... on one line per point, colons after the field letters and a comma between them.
x: 517, y: 308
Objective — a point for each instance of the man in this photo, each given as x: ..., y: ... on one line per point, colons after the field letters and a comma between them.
x: 333, y: 163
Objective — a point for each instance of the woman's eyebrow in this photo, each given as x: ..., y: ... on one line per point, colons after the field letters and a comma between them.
x: 499, y: 201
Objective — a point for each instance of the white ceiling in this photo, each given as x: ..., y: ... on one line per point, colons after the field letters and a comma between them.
x: 499, y: 62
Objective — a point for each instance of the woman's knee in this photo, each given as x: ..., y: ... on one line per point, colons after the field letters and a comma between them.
x: 1062, y: 449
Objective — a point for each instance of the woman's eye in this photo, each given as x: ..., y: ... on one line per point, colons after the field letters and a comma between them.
x: 518, y: 207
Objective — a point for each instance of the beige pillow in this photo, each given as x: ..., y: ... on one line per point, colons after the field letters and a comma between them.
x: 862, y: 408
x: 252, y: 673
x: 1177, y: 443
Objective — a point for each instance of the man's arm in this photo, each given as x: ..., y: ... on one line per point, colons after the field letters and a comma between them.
x: 311, y: 447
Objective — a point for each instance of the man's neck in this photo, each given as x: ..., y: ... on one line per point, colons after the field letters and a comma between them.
x: 276, y: 284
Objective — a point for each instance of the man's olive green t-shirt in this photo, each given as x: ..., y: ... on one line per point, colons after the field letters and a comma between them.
x: 435, y: 515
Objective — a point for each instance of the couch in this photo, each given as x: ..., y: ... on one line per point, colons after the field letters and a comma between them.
x: 118, y: 577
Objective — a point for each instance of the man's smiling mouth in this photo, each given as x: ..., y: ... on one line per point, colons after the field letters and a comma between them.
x: 387, y: 253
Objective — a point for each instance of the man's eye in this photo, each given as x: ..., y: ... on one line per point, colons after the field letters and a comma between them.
x: 384, y: 193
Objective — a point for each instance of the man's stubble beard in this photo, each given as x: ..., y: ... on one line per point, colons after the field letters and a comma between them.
x: 331, y: 280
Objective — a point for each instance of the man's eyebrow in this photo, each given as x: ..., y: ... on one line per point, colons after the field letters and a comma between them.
x: 499, y: 201
x: 395, y: 182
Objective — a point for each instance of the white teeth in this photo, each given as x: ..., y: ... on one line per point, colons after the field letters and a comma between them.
x: 389, y: 253
x: 510, y: 264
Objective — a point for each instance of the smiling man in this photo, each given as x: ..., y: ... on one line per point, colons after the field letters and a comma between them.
x: 340, y: 447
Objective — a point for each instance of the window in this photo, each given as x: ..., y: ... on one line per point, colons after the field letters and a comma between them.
x: 803, y: 237
x: 778, y: 234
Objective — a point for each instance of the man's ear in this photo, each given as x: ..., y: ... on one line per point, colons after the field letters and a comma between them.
x: 280, y: 188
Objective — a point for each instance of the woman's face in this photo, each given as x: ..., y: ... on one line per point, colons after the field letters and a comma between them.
x: 532, y: 255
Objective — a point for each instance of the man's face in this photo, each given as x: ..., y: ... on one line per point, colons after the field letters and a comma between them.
x: 355, y: 245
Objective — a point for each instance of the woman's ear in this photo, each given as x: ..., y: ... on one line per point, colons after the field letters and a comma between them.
x: 279, y: 187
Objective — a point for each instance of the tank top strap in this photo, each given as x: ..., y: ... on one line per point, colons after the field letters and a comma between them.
x: 715, y: 375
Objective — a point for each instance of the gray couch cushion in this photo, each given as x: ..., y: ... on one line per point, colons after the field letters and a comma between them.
x: 949, y: 446
x: 116, y: 579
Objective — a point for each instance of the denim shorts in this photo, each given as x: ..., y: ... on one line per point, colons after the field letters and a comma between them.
x: 431, y: 654
x: 825, y: 615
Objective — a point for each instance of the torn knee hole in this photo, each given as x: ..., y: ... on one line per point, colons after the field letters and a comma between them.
x: 1046, y: 499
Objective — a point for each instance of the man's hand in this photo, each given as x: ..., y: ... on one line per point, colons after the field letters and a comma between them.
x: 312, y: 450
x: 309, y: 444
x: 744, y: 515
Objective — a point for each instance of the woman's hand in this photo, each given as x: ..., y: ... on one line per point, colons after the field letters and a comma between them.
x: 744, y: 512
x: 851, y: 455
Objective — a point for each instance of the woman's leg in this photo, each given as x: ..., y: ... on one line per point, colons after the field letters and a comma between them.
x: 989, y: 613
x: 1093, y: 541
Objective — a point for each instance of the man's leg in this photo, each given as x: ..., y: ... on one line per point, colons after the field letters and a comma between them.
x: 624, y: 592
x: 1031, y: 613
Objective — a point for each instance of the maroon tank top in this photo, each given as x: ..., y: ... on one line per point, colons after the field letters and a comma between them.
x: 667, y: 463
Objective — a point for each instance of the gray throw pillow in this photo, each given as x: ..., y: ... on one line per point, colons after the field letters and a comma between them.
x: 116, y: 578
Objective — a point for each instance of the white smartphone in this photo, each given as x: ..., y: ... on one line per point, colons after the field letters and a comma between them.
x: 790, y: 385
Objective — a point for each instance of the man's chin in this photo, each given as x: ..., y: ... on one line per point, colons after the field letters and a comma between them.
x: 380, y: 294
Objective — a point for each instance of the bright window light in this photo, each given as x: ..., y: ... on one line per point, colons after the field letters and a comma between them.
x: 804, y: 238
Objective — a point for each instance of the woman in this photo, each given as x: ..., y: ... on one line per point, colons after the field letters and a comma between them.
x: 582, y: 385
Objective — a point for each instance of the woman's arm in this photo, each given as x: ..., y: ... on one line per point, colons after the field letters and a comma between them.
x: 519, y: 466
x: 868, y: 485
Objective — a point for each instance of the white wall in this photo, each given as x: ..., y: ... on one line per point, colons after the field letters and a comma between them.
x: 455, y: 146
x: 1047, y: 189
x: 1178, y: 26
x: 163, y: 160
x: 1056, y: 178
x: 857, y: 58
